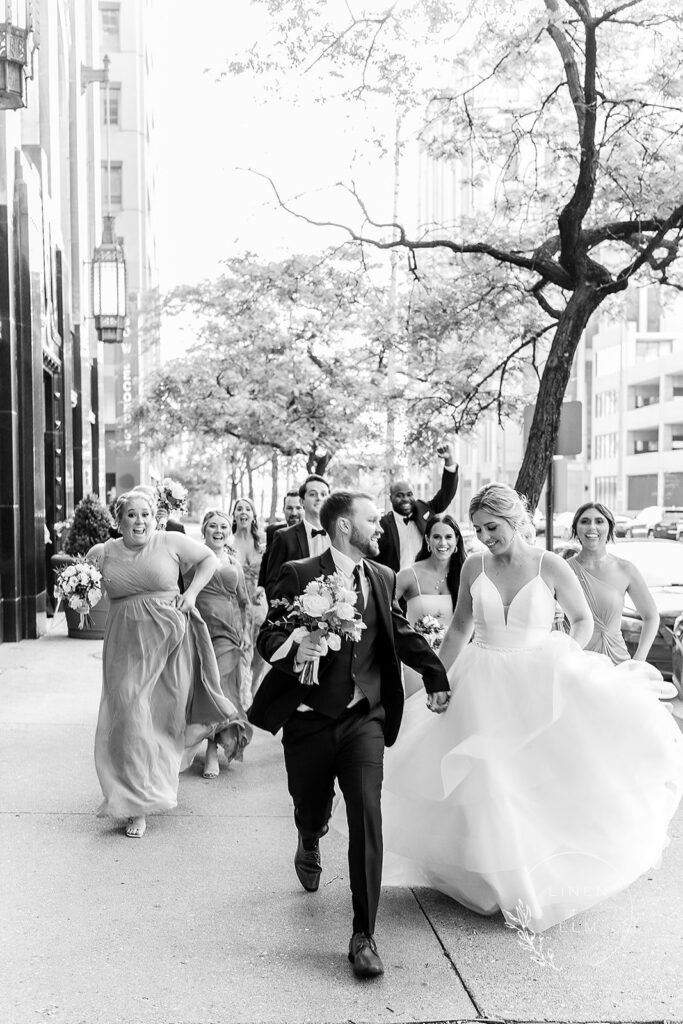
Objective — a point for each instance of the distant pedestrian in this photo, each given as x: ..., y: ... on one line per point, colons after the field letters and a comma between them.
x: 293, y: 512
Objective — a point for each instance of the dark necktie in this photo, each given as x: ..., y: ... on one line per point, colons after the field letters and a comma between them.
x: 358, y: 587
x: 317, y: 533
x: 409, y: 519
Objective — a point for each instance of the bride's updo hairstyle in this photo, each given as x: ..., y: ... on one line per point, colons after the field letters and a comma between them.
x: 503, y: 501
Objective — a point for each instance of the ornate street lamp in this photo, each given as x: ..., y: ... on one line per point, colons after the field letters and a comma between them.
x: 17, y: 43
x: 109, y: 286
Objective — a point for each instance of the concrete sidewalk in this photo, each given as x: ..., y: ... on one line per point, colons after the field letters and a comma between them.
x: 204, y: 921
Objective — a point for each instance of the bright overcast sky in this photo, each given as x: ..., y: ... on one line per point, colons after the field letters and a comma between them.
x: 207, y: 207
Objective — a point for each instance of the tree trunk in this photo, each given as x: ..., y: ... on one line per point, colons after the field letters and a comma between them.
x: 545, y: 425
x: 250, y: 478
x: 274, y: 476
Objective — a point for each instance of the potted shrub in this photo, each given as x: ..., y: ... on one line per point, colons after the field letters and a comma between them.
x: 90, y: 524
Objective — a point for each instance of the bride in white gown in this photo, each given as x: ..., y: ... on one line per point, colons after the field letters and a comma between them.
x: 552, y: 776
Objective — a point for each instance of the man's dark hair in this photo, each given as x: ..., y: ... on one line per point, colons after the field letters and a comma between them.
x: 291, y: 494
x: 336, y: 505
x: 308, y: 480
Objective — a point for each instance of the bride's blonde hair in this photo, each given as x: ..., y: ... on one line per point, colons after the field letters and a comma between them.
x: 503, y: 501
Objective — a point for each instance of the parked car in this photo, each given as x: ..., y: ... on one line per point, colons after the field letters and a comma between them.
x: 644, y: 522
x: 670, y: 526
x: 661, y: 565
x: 623, y: 523
x: 538, y: 520
x: 469, y: 538
x: 562, y: 525
x: 677, y: 656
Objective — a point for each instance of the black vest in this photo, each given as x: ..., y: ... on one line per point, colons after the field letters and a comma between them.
x: 354, y: 665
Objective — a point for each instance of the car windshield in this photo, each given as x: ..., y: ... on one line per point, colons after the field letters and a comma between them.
x: 672, y: 515
x: 660, y: 563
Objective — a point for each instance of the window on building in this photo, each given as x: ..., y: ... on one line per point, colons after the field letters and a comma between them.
x: 654, y: 310
x: 677, y: 437
x: 606, y: 490
x: 653, y: 349
x: 673, y: 488
x: 112, y: 178
x: 642, y: 490
x: 111, y: 109
x: 643, y: 445
x: 110, y: 25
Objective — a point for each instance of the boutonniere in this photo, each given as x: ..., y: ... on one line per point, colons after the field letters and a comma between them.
x: 426, y: 515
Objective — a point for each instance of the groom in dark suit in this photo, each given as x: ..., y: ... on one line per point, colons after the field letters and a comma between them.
x: 338, y: 729
x: 403, y: 526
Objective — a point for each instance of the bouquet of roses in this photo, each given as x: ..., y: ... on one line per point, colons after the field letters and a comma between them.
x: 432, y: 629
x: 324, y: 611
x: 171, y: 495
x: 80, y: 585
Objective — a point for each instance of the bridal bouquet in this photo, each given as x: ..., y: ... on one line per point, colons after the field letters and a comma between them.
x: 432, y: 629
x: 171, y: 495
x: 324, y: 611
x: 80, y: 585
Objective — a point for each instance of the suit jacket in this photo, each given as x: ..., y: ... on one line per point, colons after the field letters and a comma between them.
x: 280, y: 693
x: 389, y: 549
x: 287, y: 545
x: 271, y: 530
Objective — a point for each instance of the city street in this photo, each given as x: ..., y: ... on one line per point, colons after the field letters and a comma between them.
x: 203, y: 920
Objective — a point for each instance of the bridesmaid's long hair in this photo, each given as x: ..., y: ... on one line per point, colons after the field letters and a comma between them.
x: 455, y: 562
x: 503, y: 501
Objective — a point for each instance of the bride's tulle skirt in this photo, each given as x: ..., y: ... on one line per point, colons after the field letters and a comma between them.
x: 551, y: 780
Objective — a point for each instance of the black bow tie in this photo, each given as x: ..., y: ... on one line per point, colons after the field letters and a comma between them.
x: 409, y: 519
x: 318, y: 533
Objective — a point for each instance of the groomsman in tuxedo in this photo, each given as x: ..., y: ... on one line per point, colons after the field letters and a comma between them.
x: 337, y: 729
x: 293, y: 512
x: 306, y: 538
x: 404, y: 526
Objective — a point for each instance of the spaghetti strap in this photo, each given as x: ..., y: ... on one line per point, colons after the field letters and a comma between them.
x: 540, y: 562
x: 482, y: 564
x: 417, y: 582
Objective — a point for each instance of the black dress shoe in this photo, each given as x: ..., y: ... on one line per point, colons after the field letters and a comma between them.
x: 307, y: 866
x: 364, y: 956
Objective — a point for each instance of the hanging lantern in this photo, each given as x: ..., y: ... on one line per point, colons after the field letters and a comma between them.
x: 16, y: 51
x: 109, y: 286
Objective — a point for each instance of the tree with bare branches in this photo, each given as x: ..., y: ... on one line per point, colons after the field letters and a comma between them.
x: 561, y: 119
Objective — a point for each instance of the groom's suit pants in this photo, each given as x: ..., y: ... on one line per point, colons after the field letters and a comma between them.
x: 319, y: 749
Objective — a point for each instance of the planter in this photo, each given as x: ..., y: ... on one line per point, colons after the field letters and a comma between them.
x: 98, y: 614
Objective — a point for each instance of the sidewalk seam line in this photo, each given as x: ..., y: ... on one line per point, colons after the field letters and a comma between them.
x: 448, y: 956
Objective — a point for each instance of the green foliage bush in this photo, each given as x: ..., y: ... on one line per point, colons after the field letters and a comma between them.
x: 90, y: 525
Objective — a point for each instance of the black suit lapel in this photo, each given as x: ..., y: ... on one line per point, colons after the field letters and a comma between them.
x: 393, y: 532
x: 302, y: 540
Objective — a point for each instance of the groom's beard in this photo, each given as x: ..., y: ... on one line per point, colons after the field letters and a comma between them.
x: 368, y: 546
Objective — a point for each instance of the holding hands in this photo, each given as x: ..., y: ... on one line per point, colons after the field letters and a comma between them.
x: 438, y: 702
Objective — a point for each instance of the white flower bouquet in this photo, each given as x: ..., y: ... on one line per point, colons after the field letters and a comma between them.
x: 432, y: 629
x: 326, y: 612
x: 80, y: 586
x: 171, y: 495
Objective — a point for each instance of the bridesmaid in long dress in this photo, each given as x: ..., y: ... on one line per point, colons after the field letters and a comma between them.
x: 246, y: 542
x: 430, y: 585
x: 161, y: 693
x: 606, y: 579
x: 222, y: 603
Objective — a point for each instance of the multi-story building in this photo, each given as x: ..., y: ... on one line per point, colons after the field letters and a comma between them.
x: 128, y: 180
x: 637, y: 450
x: 52, y: 147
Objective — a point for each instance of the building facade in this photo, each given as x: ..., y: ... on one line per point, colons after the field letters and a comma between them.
x: 52, y: 384
x: 128, y: 181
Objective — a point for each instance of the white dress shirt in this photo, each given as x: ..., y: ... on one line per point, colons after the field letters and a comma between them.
x: 316, y: 545
x: 409, y: 539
